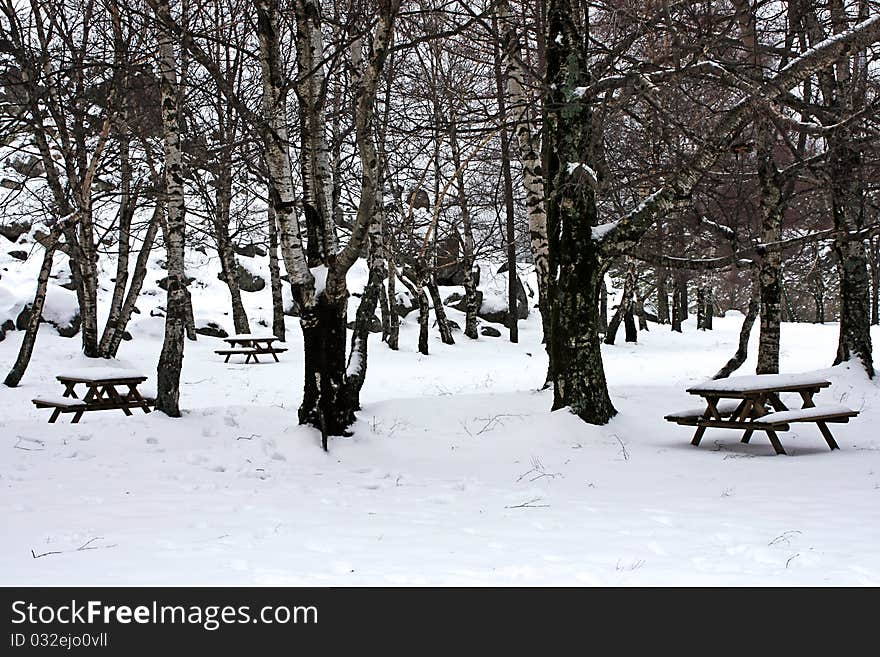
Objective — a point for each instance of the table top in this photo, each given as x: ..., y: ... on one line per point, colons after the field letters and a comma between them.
x: 761, y: 383
x: 250, y: 337
x: 102, y: 375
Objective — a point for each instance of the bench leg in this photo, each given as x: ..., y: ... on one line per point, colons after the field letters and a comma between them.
x: 76, y: 417
x: 698, y: 436
x: 774, y: 440
x: 54, y: 416
x: 826, y: 433
x: 275, y: 356
x: 747, y: 436
x: 227, y: 358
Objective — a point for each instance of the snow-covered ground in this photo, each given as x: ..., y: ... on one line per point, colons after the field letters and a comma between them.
x: 457, y: 472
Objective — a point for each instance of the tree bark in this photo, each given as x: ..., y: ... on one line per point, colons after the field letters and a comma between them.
x: 171, y: 357
x: 279, y: 330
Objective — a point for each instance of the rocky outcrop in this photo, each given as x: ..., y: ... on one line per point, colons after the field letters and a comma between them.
x: 490, y: 332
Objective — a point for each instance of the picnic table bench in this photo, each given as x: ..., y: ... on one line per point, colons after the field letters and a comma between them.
x: 753, y: 403
x: 106, y: 389
x: 250, y: 346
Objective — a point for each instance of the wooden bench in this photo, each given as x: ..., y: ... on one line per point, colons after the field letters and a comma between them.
x: 250, y: 353
x: 822, y: 414
x: 106, y: 389
x: 753, y: 403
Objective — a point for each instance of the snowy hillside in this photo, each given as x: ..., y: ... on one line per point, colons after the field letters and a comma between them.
x: 457, y: 472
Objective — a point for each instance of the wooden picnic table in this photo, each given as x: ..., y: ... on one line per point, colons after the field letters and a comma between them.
x: 105, y: 389
x: 250, y: 346
x: 753, y: 403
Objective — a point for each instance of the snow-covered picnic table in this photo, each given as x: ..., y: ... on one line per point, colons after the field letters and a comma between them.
x: 250, y: 346
x: 107, y: 388
x: 750, y: 403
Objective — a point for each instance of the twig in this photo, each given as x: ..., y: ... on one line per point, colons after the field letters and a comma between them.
x: 529, y: 505
x: 82, y: 548
x: 622, y: 448
x: 42, y: 446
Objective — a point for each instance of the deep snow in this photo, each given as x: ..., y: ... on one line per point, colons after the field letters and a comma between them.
x: 457, y: 472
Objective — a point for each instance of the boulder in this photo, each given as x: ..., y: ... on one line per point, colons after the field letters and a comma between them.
x: 499, y: 316
x: 490, y: 332
x: 18, y: 254
x: 67, y: 330
x: 247, y: 281
x: 14, y: 230
x: 375, y: 325
x: 250, y: 250
x: 404, y: 304
x: 5, y: 327
x: 461, y: 304
x: 213, y: 330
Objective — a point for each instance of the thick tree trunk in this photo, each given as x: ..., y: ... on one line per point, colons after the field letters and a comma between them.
x: 772, y: 209
x: 278, y: 328
x: 855, y: 325
x: 629, y: 324
x: 701, y: 308
x: 171, y: 357
x: 36, y: 310
x: 679, y: 302
x: 393, y: 337
x: 578, y: 372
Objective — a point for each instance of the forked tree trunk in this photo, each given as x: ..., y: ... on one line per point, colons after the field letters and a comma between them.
x: 117, y: 330
x: 624, y: 308
x: 171, y: 357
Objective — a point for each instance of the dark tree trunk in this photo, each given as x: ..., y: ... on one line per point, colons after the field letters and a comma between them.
x: 855, y: 325
x: 742, y: 351
x: 629, y: 324
x: 679, y: 302
x: 324, y: 338
x: 603, y: 308
x: 662, y: 296
x: 440, y: 314
x: 578, y: 373
x: 36, y: 310
x: 279, y: 330
x: 393, y: 337
x: 701, y: 308
x: 710, y: 308
x: 624, y: 308
x: 228, y: 263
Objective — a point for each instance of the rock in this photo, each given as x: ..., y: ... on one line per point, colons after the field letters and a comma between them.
x: 18, y: 255
x: 375, y: 325
x: 126, y: 336
x: 212, y: 329
x: 500, y: 316
x: 453, y: 325
x: 462, y: 302
x: 292, y: 310
x: 69, y: 330
x: 404, y: 305
x: 163, y: 282
x: 23, y: 318
x: 64, y: 330
x: 247, y: 281
x: 453, y: 298
x: 9, y: 183
x: 490, y: 332
x: 5, y: 327
x: 158, y: 312
x: 250, y: 250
